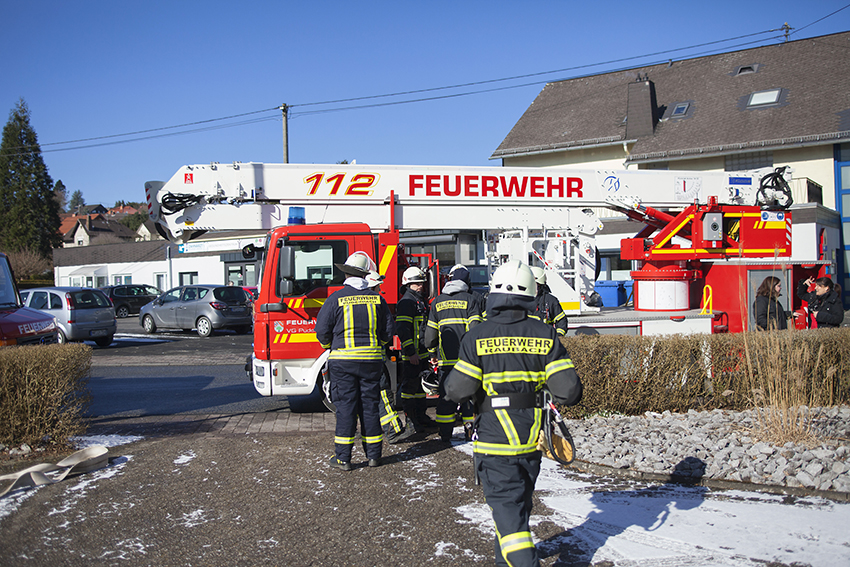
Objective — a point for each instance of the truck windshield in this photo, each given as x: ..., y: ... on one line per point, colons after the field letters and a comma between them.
x: 314, y: 264
x: 7, y: 286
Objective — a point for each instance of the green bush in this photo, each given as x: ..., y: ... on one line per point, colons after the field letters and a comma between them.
x: 634, y: 374
x: 43, y: 393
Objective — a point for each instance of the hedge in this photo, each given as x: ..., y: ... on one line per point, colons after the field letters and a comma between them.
x: 43, y: 393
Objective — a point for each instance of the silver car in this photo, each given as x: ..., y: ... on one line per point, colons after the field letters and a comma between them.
x: 201, y: 307
x: 82, y: 313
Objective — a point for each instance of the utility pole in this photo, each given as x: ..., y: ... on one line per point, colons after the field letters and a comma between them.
x: 285, y: 110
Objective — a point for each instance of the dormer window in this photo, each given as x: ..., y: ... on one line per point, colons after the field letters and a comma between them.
x: 764, y: 98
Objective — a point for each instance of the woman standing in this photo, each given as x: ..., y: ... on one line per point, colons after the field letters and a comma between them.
x: 824, y: 302
x: 768, y: 312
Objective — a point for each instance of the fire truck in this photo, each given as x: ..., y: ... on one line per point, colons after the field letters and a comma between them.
x: 722, y: 225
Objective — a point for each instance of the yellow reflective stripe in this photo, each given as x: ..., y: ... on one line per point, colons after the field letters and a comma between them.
x: 433, y: 324
x: 308, y: 302
x: 558, y: 317
x: 446, y: 418
x: 344, y: 440
x: 373, y: 439
x: 357, y: 353
x: 348, y: 325
x: 493, y: 378
x: 469, y: 369
x: 416, y: 396
x: 508, y: 427
x: 515, y: 542
x: 558, y: 366
x: 453, y: 321
x: 403, y: 319
x: 304, y: 338
x: 502, y: 449
x: 372, y: 311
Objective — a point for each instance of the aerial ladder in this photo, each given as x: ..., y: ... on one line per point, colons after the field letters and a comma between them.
x: 316, y: 215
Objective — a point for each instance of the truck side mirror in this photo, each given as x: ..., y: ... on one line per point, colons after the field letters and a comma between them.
x: 286, y: 263
x: 284, y: 288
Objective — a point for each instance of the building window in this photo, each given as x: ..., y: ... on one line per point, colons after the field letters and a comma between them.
x: 188, y: 278
x: 764, y: 98
x: 680, y: 109
x: 161, y: 281
x: 752, y: 160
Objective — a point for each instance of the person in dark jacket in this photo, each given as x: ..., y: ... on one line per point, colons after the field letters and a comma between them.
x: 825, y: 306
x: 453, y: 314
x: 356, y: 325
x: 767, y: 310
x: 547, y: 308
x: 503, y: 365
x: 411, y: 318
x: 394, y: 428
x: 461, y: 273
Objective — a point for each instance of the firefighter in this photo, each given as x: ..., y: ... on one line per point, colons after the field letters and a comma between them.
x: 411, y: 319
x: 394, y: 429
x: 504, y: 363
x: 461, y: 272
x: 356, y: 325
x: 453, y: 313
x: 547, y: 308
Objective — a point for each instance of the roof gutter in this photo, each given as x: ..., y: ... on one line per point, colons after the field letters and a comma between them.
x: 564, y: 147
x: 727, y: 149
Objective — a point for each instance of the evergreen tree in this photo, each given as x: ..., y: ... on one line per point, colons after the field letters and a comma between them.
x: 60, y: 193
x: 76, y: 201
x: 29, y: 213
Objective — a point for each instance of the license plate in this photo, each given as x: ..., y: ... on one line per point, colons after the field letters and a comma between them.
x: 97, y: 333
x: 237, y: 309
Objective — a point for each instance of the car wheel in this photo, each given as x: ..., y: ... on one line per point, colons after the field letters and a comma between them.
x: 122, y: 312
x: 61, y: 338
x: 148, y: 324
x: 103, y: 342
x: 204, y: 327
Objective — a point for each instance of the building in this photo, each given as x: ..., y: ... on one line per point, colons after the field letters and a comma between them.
x: 785, y: 104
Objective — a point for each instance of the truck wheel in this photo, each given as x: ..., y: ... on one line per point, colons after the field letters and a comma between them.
x: 103, y: 342
x: 204, y: 327
x: 310, y: 403
x: 122, y: 312
x: 149, y: 325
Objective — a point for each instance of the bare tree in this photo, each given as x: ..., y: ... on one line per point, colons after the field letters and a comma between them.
x: 27, y: 263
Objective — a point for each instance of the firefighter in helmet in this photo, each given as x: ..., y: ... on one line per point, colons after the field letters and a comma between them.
x: 356, y: 325
x: 454, y: 312
x: 411, y: 317
x: 394, y: 429
x: 547, y: 308
x: 503, y: 365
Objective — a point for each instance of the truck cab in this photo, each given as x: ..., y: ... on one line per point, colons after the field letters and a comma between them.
x: 20, y: 325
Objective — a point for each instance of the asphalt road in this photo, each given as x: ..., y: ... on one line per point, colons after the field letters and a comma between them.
x: 173, y: 373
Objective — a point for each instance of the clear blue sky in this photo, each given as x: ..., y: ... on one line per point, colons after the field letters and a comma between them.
x: 91, y: 69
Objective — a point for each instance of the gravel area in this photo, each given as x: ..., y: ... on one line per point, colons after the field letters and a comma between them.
x: 722, y: 445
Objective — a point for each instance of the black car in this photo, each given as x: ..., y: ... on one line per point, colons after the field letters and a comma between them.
x: 128, y: 299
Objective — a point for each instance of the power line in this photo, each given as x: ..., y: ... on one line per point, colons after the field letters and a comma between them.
x: 405, y: 93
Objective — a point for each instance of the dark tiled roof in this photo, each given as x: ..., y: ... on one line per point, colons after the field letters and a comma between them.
x: 147, y: 251
x: 589, y: 111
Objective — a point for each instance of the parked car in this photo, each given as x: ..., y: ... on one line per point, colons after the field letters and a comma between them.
x: 82, y: 313
x: 128, y: 299
x: 21, y: 325
x: 201, y: 307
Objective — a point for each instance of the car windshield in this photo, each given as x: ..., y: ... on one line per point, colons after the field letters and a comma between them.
x: 7, y: 287
x: 89, y: 299
x: 230, y: 294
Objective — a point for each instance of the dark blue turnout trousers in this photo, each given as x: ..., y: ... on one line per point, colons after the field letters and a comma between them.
x: 508, y: 483
x: 355, y: 390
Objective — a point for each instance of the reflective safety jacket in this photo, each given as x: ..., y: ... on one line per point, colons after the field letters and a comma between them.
x: 548, y: 309
x: 503, y: 365
x: 453, y: 313
x: 411, y: 317
x: 355, y: 324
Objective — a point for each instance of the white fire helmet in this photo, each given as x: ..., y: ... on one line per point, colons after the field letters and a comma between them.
x: 514, y: 278
x: 358, y: 264
x: 374, y: 279
x: 412, y: 275
x: 539, y: 275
